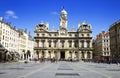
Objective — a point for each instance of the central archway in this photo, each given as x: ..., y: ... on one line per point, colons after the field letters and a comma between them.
x: 62, y: 55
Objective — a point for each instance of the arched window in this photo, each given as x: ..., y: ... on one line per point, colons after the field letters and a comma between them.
x: 88, y: 55
x: 82, y: 55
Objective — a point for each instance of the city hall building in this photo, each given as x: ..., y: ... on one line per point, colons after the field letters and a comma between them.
x: 63, y: 44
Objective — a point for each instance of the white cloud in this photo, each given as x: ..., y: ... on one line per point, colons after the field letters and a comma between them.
x: 54, y: 13
x: 10, y: 14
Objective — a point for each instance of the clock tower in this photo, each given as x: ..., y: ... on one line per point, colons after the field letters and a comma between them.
x: 63, y: 19
x: 63, y: 23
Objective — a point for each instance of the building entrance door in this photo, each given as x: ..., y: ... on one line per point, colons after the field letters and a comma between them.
x: 62, y: 55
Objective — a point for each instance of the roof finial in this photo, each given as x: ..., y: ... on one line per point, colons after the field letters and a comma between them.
x: 41, y: 22
x: 62, y: 7
x: 83, y: 23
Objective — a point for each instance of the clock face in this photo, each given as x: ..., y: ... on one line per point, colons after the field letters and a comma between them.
x: 63, y: 24
x: 63, y: 32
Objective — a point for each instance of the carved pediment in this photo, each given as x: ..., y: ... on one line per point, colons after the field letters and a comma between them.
x: 84, y: 30
x: 41, y: 28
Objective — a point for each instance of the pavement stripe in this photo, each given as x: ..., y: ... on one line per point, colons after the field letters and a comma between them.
x: 95, y: 71
x: 30, y: 73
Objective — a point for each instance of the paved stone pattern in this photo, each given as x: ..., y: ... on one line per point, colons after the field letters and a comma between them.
x: 60, y: 69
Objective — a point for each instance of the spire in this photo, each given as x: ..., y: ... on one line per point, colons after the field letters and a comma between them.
x: 63, y: 10
x: 83, y: 23
x: 63, y: 18
x: 62, y: 7
x: 41, y: 22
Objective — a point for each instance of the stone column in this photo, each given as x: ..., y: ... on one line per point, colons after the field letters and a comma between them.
x: 59, y: 55
x: 85, y: 43
x: 39, y: 43
x: 46, y: 43
x: 66, y: 44
x: 85, y: 55
x: 90, y: 43
x: 66, y: 54
x: 52, y: 45
x: 52, y: 53
x: 45, y: 54
x: 58, y: 44
x: 72, y: 43
x: 79, y: 43
x: 79, y: 57
x: 23, y: 56
x: 73, y: 54
x: 91, y: 55
x: 40, y: 53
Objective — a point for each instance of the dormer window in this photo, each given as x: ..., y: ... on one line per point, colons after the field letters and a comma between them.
x: 75, y: 35
x: 55, y: 34
x: 82, y: 35
x: 49, y: 34
x: 70, y: 34
x: 88, y: 35
x: 37, y: 34
x: 43, y: 35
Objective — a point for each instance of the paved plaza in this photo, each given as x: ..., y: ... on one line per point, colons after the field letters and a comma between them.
x: 60, y: 69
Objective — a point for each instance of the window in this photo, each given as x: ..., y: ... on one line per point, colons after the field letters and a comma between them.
x: 70, y: 34
x: 88, y: 35
x: 82, y: 35
x: 104, y: 49
x: 37, y: 34
x: 43, y: 54
x: 62, y: 42
x: 37, y: 43
x: 75, y: 43
x: 70, y: 43
x: 43, y: 35
x: 43, y: 44
x: 107, y: 53
x: 82, y: 55
x: 88, y: 44
x: 54, y: 44
x: 88, y: 55
x: 82, y: 44
x: 49, y: 44
x: 75, y: 35
x: 54, y: 34
x: 3, y: 37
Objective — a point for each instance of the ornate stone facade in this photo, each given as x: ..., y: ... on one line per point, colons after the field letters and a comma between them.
x: 63, y: 44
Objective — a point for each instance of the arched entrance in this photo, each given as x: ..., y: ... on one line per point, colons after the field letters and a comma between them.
x: 62, y: 55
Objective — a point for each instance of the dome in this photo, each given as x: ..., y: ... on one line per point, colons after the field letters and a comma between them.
x: 63, y: 11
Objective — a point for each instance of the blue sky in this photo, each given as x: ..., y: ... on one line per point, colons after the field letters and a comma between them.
x: 27, y: 13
